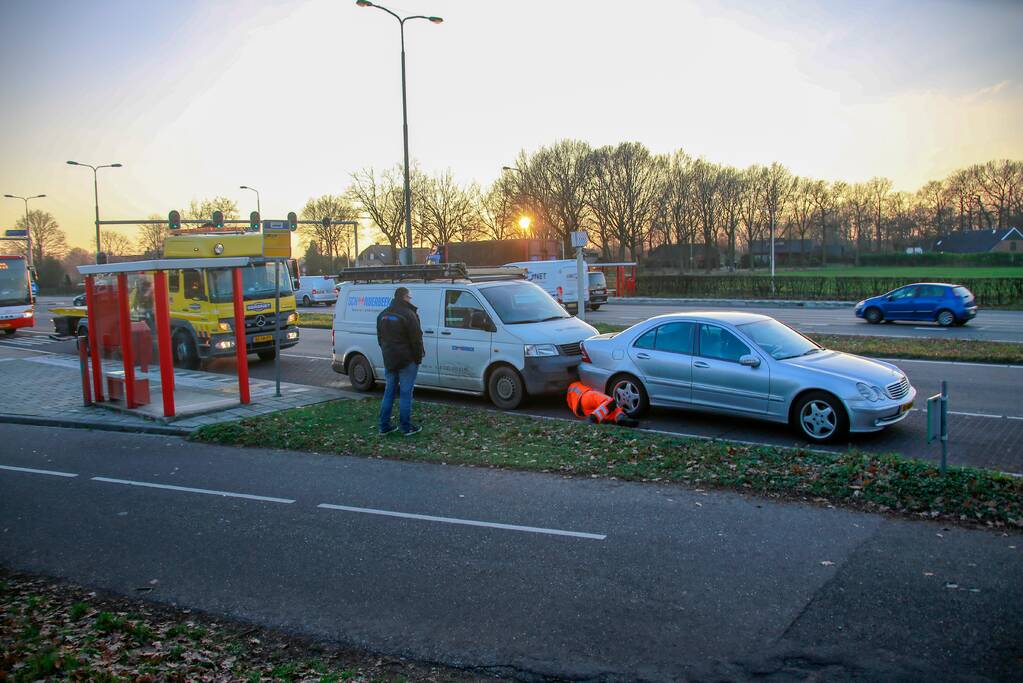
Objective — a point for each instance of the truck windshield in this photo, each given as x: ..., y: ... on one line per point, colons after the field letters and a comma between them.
x: 14, y: 288
x: 257, y: 282
x: 522, y: 302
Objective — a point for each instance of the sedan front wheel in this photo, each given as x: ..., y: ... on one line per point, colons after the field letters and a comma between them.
x: 820, y: 417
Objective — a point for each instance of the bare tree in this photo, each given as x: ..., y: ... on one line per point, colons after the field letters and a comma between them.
x: 752, y: 186
x: 202, y: 210
x: 48, y: 239
x: 625, y: 183
x: 151, y: 236
x: 333, y: 240
x: 706, y: 183
x: 801, y: 204
x: 555, y: 179
x: 382, y: 197
x: 496, y: 209
x: 446, y: 212
x: 999, y: 180
x: 117, y: 243
x: 730, y: 195
x: 934, y: 198
x: 778, y: 186
x: 680, y: 205
x: 879, y: 189
x: 860, y: 207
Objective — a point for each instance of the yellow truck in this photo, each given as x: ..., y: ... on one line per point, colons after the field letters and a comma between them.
x: 202, y: 305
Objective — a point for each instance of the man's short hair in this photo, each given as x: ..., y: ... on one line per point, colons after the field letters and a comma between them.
x: 401, y: 293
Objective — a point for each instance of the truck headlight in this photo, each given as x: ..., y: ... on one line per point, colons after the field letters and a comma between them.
x: 870, y: 393
x: 534, y: 350
x: 224, y: 326
x: 292, y: 319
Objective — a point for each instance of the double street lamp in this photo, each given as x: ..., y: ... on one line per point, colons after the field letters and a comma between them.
x: 28, y: 228
x: 404, y: 118
x: 95, y: 189
x: 246, y: 187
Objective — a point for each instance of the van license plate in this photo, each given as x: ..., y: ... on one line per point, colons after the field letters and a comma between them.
x: 262, y: 338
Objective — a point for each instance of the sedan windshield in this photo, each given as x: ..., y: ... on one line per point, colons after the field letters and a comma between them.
x: 522, y: 303
x: 257, y: 283
x: 779, y: 340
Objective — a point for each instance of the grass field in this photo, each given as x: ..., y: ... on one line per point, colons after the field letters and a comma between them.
x: 921, y: 273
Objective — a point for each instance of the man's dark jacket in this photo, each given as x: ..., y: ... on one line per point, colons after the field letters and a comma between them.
x: 400, y: 335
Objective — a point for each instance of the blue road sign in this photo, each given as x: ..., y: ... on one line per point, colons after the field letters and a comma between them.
x: 15, y: 233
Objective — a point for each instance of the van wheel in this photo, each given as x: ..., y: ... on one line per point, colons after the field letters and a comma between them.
x: 185, y: 354
x: 305, y: 300
x: 268, y: 354
x: 946, y: 318
x: 820, y: 417
x: 505, y: 388
x: 630, y: 395
x: 360, y: 373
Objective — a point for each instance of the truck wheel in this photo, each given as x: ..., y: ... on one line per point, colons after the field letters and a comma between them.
x: 268, y: 354
x: 505, y: 388
x: 305, y: 301
x: 360, y: 373
x: 185, y: 354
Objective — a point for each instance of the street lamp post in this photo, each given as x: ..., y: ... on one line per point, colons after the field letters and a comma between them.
x: 28, y: 229
x: 404, y: 120
x: 95, y: 190
x: 246, y: 187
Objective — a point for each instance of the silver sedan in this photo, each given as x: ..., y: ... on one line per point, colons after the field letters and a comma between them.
x: 745, y: 364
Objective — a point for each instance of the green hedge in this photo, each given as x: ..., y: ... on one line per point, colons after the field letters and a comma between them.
x: 935, y: 259
x: 990, y: 292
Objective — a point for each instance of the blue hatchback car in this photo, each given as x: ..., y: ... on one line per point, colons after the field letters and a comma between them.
x: 925, y: 301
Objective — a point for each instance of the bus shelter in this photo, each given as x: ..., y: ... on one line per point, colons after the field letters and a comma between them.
x: 625, y: 280
x: 129, y: 327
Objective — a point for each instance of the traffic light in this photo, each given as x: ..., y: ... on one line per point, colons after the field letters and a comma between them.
x: 292, y: 221
x: 218, y: 219
x: 326, y: 222
x: 174, y: 220
x: 254, y: 221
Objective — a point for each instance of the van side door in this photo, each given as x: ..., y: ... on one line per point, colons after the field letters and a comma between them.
x: 428, y: 303
x: 463, y: 345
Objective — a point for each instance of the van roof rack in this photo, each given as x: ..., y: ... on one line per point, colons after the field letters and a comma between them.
x: 432, y: 271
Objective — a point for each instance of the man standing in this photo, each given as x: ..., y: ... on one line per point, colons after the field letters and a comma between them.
x: 401, y: 340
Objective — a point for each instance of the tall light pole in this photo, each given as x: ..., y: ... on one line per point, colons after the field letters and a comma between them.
x: 28, y: 228
x: 404, y: 120
x: 95, y: 190
x: 246, y: 187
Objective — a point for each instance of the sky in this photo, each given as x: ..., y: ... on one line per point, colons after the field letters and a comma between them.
x: 291, y: 97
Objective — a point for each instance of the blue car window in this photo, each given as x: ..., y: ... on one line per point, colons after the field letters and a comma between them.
x: 930, y: 292
x: 647, y: 340
x: 903, y: 293
x: 675, y: 338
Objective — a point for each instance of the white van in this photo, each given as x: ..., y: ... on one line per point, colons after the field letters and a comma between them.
x: 315, y: 289
x: 505, y: 340
x: 560, y: 279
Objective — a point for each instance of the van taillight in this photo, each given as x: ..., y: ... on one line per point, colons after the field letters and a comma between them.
x: 586, y: 356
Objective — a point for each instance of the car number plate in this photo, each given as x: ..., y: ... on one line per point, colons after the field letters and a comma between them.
x: 905, y: 408
x: 262, y: 338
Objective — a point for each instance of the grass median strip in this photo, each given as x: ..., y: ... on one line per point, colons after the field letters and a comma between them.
x: 486, y: 438
x: 319, y: 321
x: 961, y: 350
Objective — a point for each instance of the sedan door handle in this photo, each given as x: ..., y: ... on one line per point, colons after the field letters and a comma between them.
x: 700, y: 364
x: 642, y: 355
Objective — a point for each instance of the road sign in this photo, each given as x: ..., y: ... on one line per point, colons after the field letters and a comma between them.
x: 580, y: 239
x: 15, y: 233
x: 276, y: 239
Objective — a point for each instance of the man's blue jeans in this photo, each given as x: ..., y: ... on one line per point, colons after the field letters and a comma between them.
x: 401, y: 382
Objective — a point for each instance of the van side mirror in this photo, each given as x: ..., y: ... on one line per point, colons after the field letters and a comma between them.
x: 749, y: 360
x: 479, y: 320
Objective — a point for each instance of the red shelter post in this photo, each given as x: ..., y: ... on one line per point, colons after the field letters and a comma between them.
x: 124, y: 324
x: 239, y: 336
x: 92, y: 309
x: 163, y: 340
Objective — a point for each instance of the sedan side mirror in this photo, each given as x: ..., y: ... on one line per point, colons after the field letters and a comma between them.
x: 749, y: 360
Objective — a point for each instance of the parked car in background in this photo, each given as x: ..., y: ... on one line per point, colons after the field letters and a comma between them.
x: 598, y: 289
x: 749, y: 365
x: 925, y: 301
x: 315, y: 289
x: 78, y: 300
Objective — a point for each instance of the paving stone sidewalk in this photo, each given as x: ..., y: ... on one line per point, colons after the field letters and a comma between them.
x: 47, y: 390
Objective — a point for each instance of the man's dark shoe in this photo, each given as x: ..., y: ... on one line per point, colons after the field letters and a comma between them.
x: 388, y: 430
x: 415, y: 430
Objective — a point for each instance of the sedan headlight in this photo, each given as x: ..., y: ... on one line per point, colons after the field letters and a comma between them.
x: 870, y: 393
x: 541, y: 350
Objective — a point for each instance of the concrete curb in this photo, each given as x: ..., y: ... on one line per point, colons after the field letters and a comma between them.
x: 6, y: 418
x: 737, y: 303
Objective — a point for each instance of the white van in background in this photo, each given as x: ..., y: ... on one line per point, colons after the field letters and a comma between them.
x: 315, y: 289
x: 505, y: 340
x: 560, y: 279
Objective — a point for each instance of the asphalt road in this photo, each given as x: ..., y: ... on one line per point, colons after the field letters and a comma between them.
x: 516, y: 573
x: 986, y: 427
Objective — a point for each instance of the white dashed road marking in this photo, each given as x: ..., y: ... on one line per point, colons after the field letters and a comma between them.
x: 30, y: 470
x: 466, y: 522
x: 186, y: 489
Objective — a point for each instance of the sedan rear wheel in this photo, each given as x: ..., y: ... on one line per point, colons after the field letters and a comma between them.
x: 820, y: 417
x: 629, y: 394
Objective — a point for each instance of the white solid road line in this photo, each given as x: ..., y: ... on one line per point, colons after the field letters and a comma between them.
x: 466, y: 522
x: 52, y: 473
x: 949, y: 362
x: 295, y: 355
x: 186, y: 489
x: 952, y: 412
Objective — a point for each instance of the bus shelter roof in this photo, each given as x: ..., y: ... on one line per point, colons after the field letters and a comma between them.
x: 165, y: 264
x: 612, y: 265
